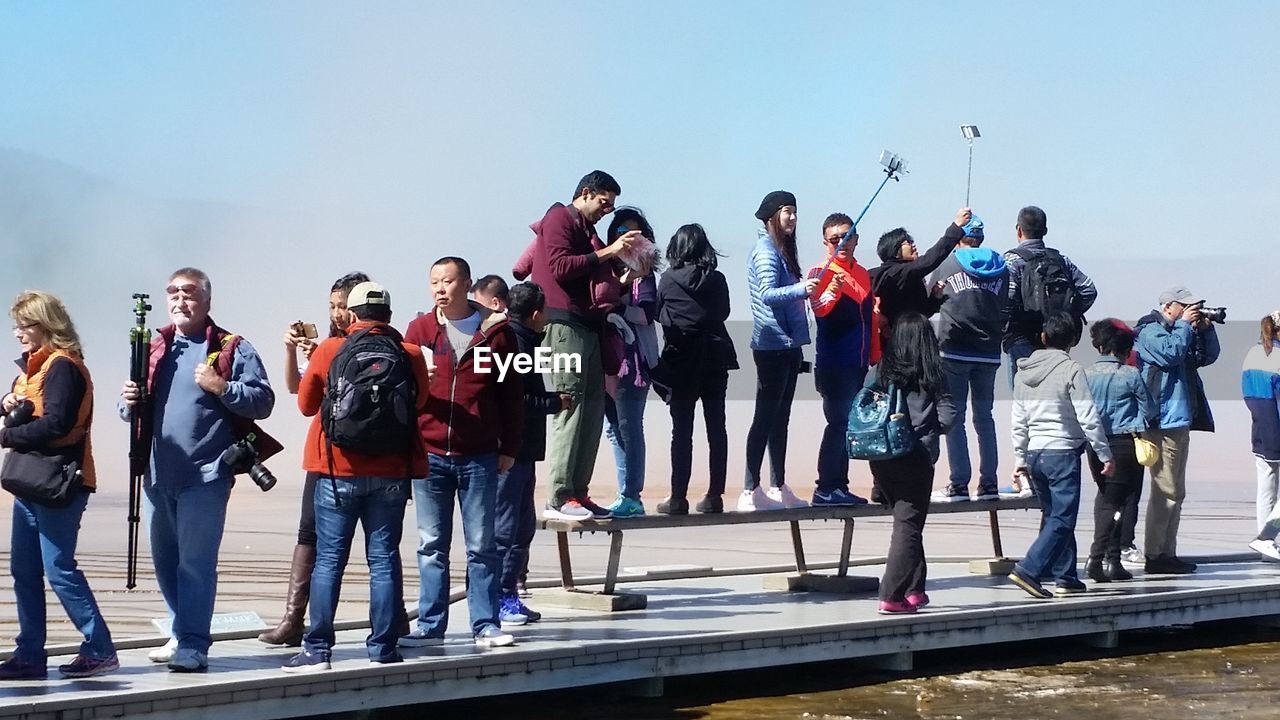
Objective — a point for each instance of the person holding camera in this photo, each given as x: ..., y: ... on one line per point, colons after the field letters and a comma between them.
x: 300, y: 337
x: 898, y: 281
x: 1174, y: 341
x: 779, y: 330
x: 205, y: 388
x: 48, y: 415
x: 363, y: 391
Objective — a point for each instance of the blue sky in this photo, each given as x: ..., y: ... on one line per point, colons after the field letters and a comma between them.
x: 424, y: 129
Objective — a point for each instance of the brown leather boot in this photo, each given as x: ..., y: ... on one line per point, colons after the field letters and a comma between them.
x: 289, y: 631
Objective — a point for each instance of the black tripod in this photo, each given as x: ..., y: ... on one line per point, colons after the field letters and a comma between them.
x: 139, y: 428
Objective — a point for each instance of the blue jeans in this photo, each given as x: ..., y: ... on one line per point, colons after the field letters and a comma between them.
x: 837, y: 386
x: 963, y: 376
x: 624, y: 426
x: 474, y: 480
x: 1056, y: 477
x: 515, y: 522
x: 377, y: 504
x: 1018, y: 350
x: 43, y: 543
x: 186, y: 532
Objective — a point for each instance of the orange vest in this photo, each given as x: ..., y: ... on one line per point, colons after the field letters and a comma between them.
x: 31, y: 385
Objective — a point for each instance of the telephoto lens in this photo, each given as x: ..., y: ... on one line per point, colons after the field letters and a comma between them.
x: 1215, y: 314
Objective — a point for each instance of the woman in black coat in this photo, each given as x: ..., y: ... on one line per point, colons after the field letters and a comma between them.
x: 693, y: 304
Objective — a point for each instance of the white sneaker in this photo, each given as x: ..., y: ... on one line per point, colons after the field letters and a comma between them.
x: 1267, y: 548
x: 1133, y: 556
x: 164, y: 653
x: 787, y: 498
x: 758, y: 499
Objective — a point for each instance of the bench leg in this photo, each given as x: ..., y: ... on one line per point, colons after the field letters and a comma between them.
x: 566, y: 565
x: 996, y: 545
x: 846, y: 543
x: 615, y: 554
x: 798, y: 544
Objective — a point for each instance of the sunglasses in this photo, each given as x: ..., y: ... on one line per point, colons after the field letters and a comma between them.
x: 188, y: 290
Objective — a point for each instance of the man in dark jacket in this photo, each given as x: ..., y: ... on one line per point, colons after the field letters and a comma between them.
x: 1023, y: 327
x: 898, y: 282
x: 516, y: 519
x: 566, y: 257
x: 975, y: 295
x: 471, y: 429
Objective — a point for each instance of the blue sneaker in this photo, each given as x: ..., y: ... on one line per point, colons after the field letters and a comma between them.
x: 509, y: 612
x: 839, y: 496
x: 307, y: 662
x: 533, y: 615
x: 625, y: 507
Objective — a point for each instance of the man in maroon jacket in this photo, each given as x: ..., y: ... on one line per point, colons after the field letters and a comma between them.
x: 471, y: 427
x: 568, y: 261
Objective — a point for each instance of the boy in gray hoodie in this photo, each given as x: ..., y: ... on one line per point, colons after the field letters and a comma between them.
x: 1053, y: 417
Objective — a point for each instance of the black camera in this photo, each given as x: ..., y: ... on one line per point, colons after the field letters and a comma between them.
x: 21, y: 414
x: 1214, y: 314
x: 242, y: 457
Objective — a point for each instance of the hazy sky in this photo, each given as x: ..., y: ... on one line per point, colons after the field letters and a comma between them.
x: 301, y: 140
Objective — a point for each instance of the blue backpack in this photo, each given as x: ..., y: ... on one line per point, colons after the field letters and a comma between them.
x: 880, y: 425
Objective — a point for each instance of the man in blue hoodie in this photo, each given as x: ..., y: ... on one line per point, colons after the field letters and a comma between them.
x: 975, y: 289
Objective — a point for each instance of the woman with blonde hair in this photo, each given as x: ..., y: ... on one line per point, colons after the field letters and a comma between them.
x: 49, y: 468
x: 1260, y: 385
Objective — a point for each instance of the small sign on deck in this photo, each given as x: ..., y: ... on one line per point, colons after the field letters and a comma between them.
x: 222, y: 622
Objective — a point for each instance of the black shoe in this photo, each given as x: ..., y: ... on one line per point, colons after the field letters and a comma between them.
x: 674, y: 506
x: 1115, y: 571
x: 1169, y: 565
x: 710, y: 505
x: 1030, y: 584
x: 1095, y: 572
x: 877, y: 496
x: 1069, y: 586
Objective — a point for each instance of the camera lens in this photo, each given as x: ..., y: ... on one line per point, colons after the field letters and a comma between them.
x: 262, y: 477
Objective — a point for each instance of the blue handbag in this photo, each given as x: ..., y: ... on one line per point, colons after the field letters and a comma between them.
x: 880, y: 425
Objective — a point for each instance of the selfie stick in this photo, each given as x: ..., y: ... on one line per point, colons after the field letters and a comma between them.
x: 970, y: 132
x: 894, y: 167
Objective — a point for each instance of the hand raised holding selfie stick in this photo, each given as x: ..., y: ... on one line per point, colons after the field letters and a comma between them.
x: 139, y: 428
x: 894, y: 168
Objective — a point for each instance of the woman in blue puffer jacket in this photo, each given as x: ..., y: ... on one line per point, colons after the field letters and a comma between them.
x: 780, y: 329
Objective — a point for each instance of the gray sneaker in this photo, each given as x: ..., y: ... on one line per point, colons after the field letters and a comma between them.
x: 1133, y: 555
x: 188, y: 660
x: 418, y: 638
x: 493, y: 637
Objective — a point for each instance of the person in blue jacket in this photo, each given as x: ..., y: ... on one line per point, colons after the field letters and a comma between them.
x: 780, y: 329
x: 1174, y: 341
x: 1260, y: 385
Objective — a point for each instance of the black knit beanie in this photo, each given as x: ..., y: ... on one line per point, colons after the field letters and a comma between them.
x: 773, y: 202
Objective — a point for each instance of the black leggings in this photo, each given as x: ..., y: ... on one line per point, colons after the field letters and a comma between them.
x: 307, y: 520
x: 1115, y: 494
x: 776, y: 372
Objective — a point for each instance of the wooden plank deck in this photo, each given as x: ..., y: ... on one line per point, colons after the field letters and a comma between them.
x: 692, y: 626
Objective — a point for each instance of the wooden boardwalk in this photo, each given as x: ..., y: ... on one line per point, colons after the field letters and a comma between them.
x: 692, y: 626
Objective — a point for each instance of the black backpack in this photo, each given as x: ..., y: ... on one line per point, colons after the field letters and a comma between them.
x: 1046, y: 286
x: 370, y: 398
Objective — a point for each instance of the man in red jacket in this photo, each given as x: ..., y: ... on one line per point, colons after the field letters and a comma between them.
x: 357, y: 487
x: 569, y: 261
x: 471, y: 428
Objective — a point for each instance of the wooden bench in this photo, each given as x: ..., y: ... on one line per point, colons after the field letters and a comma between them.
x: 608, y: 599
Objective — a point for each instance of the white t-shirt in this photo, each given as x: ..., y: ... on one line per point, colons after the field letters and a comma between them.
x: 461, y: 332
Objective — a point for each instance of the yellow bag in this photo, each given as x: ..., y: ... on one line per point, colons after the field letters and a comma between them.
x: 1148, y: 452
